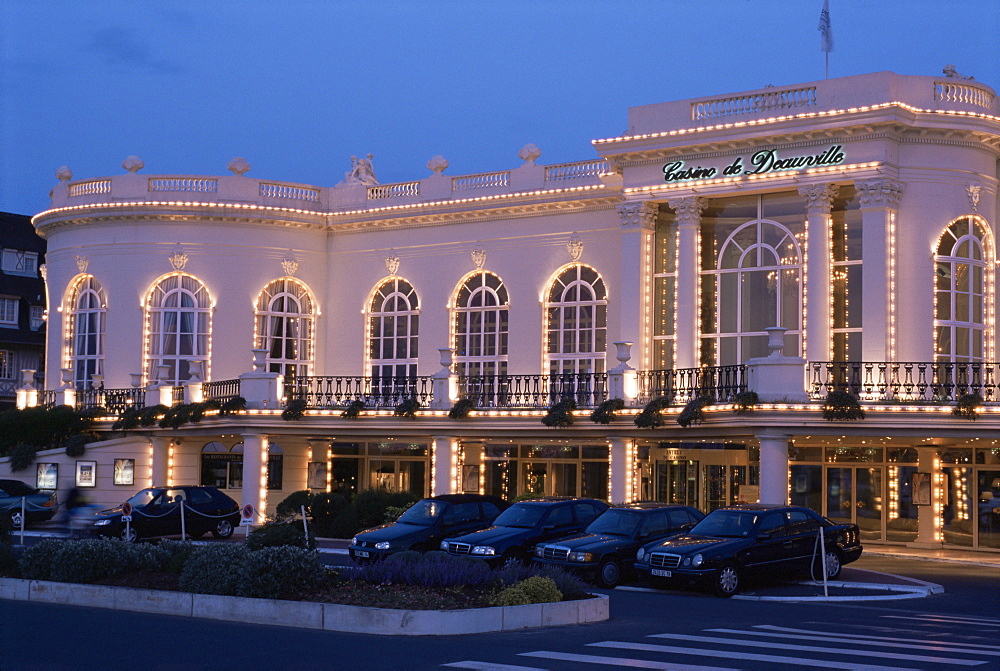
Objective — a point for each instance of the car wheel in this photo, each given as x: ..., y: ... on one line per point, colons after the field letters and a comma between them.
x: 15, y: 519
x: 129, y: 534
x: 609, y: 574
x: 223, y: 529
x: 833, y: 565
x: 727, y: 581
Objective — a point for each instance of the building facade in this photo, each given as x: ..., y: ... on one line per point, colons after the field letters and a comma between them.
x: 832, y: 236
x: 22, y: 305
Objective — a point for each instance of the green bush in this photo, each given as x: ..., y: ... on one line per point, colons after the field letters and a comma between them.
x: 76, y: 445
x: 326, y: 508
x: 344, y: 525
x: 294, y: 409
x: 22, y: 456
x: 41, y: 426
x: 541, y: 590
x: 36, y: 561
x: 392, y: 513
x: 177, y: 554
x: 560, y: 414
x: 292, y: 504
x: 91, y: 559
x: 216, y: 569
x: 651, y: 416
x: 277, y: 534
x: 511, y: 596
x: 282, y: 573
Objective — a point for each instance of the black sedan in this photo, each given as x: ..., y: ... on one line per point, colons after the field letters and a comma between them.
x: 156, y: 511
x: 426, y: 523
x: 737, y: 542
x: 38, y: 506
x: 608, y: 545
x: 514, y: 534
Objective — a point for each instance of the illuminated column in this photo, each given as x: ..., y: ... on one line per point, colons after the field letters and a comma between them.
x: 255, y: 473
x: 445, y: 465
x: 688, y: 211
x: 638, y: 221
x: 773, y: 468
x: 160, y: 461
x: 929, y: 517
x: 819, y: 200
x: 622, y: 465
x: 879, y: 199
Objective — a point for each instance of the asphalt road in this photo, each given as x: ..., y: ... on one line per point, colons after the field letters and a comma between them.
x: 658, y: 630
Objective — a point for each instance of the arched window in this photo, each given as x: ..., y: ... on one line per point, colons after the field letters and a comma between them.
x: 576, y: 311
x: 480, y: 326
x: 86, y: 308
x: 285, y: 321
x: 178, y: 321
x: 960, y: 291
x: 759, y: 279
x: 393, y: 325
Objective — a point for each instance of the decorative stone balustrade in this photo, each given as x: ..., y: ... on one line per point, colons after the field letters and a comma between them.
x: 188, y: 184
x: 950, y: 91
x: 288, y: 191
x: 782, y: 100
x: 400, y: 190
x: 486, y: 180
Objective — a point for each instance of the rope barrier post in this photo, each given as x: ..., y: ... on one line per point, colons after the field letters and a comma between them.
x: 305, y: 524
x: 183, y: 526
x: 822, y: 555
x: 24, y: 518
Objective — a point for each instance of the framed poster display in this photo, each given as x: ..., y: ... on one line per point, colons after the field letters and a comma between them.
x: 124, y: 472
x: 470, y: 478
x: 316, y: 477
x: 920, y: 487
x: 86, y: 474
x: 46, y: 476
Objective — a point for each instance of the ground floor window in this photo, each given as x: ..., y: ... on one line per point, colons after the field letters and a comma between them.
x: 222, y: 467
x: 703, y: 475
x: 395, y: 466
x: 513, y: 470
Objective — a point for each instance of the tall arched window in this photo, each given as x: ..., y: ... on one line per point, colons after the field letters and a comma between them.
x: 960, y: 291
x: 576, y: 312
x: 393, y: 325
x: 86, y: 308
x: 285, y: 321
x: 178, y: 321
x: 480, y: 326
x: 759, y: 278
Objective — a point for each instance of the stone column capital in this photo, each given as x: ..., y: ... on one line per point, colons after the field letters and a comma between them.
x: 688, y: 209
x: 819, y: 197
x: 638, y: 214
x: 879, y: 192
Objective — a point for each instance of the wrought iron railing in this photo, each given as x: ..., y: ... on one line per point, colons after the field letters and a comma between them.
x: 115, y: 401
x: 177, y: 394
x: 906, y: 381
x: 47, y: 399
x: 321, y: 391
x: 220, y: 390
x: 534, y: 391
x: 680, y: 385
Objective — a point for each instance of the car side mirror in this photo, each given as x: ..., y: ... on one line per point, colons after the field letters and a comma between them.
x: 687, y: 527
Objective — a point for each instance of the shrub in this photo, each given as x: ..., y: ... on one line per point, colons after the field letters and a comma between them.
x: 292, y: 504
x: 215, y: 569
x: 280, y: 534
x: 41, y: 426
x: 76, y: 445
x: 651, y: 416
x: 353, y: 409
x: 371, y: 504
x: 511, y: 596
x: 233, y: 405
x: 392, y: 513
x: 540, y: 590
x: 294, y: 409
x: 512, y: 573
x: 462, y: 408
x: 560, y: 414
x: 91, y: 559
x: 150, y: 415
x: 605, y: 412
x: 692, y: 412
x: 8, y: 560
x: 177, y: 554
x: 842, y: 405
x: 434, y: 569
x: 967, y: 405
x: 745, y: 402
x: 198, y: 410
x: 22, y: 456
x: 407, y: 408
x: 326, y: 509
x: 281, y: 573
x: 36, y: 561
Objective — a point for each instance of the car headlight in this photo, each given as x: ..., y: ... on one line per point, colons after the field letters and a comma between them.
x: 697, y: 560
x: 686, y: 562
x: 640, y: 554
x: 382, y: 545
x: 484, y: 550
x: 581, y: 556
x: 102, y: 523
x: 354, y: 541
x: 444, y: 545
x: 539, y: 550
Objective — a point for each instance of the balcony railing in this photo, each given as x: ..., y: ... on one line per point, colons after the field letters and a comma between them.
x: 115, y: 401
x: 376, y: 392
x: 534, y: 391
x: 680, y: 385
x: 220, y: 390
x: 906, y: 381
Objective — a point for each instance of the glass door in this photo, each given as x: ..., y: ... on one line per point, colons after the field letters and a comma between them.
x: 988, y: 508
x: 677, y: 482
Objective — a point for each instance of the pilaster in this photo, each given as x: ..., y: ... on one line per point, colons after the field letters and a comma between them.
x: 879, y: 200
x: 773, y: 468
x: 255, y: 447
x: 638, y: 221
x: 819, y: 202
x: 688, y: 210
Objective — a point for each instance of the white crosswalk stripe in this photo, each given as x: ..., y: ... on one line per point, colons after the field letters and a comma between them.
x: 490, y: 666
x: 867, y: 639
x: 947, y: 619
x: 622, y: 662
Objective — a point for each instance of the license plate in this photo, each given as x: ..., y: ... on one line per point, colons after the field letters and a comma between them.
x: 361, y: 553
x: 660, y: 573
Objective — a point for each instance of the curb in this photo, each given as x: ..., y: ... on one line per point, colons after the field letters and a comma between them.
x: 310, y: 615
x: 892, y: 592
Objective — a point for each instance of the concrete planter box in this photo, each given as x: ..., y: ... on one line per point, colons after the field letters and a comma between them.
x: 308, y: 615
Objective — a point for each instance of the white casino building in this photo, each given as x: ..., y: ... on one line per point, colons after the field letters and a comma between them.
x: 856, y: 216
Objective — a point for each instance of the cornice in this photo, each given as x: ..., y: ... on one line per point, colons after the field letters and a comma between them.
x: 145, y: 217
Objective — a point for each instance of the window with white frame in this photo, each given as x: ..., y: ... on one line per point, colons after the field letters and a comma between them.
x: 285, y: 321
x: 480, y: 317
x: 393, y: 326
x: 178, y: 319
x: 37, y: 317
x: 6, y: 365
x: 85, y: 326
x: 19, y: 262
x: 8, y: 311
x: 576, y: 311
x: 961, y: 302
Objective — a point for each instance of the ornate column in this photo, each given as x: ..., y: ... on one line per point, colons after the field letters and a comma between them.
x: 159, y: 466
x: 686, y: 329
x: 444, y: 462
x: 638, y: 221
x: 819, y: 200
x: 621, y: 488
x: 773, y: 468
x: 879, y: 199
x: 255, y: 474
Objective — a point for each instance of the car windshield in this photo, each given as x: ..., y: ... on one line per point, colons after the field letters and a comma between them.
x: 423, y: 513
x: 726, y: 524
x: 520, y: 515
x: 616, y: 523
x: 144, y: 497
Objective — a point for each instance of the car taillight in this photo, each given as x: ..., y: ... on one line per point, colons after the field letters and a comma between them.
x: 49, y: 503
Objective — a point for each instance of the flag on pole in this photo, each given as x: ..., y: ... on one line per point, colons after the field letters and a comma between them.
x: 825, y: 34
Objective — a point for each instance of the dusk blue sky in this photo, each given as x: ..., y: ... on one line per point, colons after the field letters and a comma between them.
x: 297, y: 87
